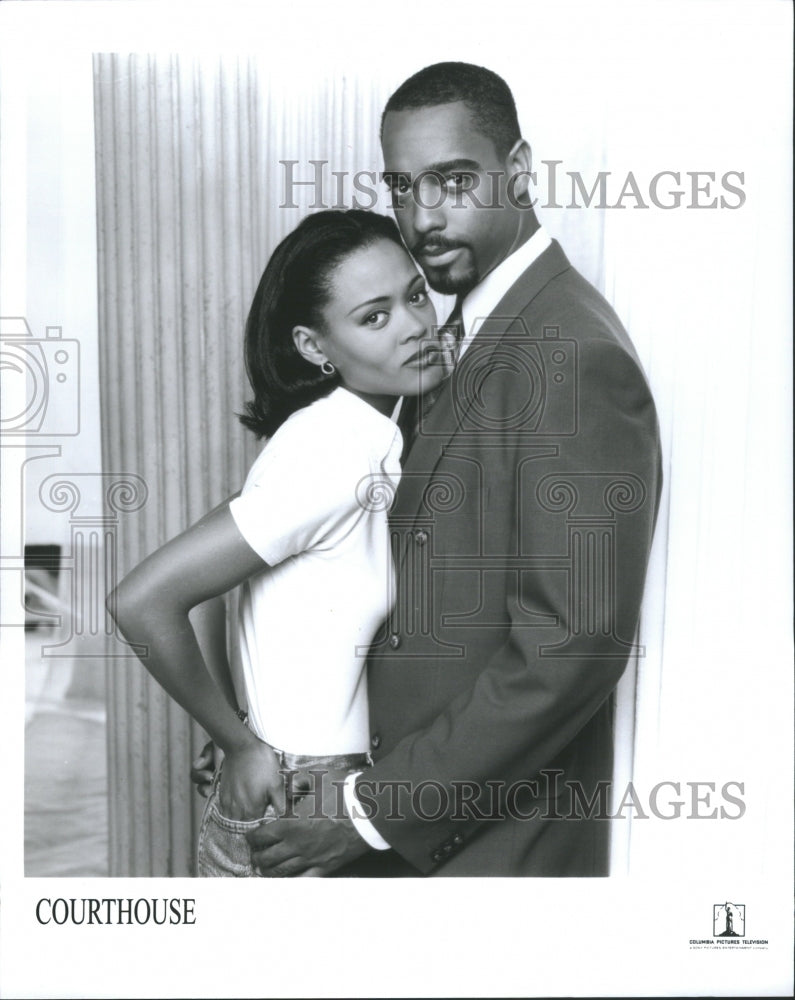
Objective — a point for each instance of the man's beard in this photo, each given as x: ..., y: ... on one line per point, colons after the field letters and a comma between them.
x: 442, y: 279
x: 449, y: 284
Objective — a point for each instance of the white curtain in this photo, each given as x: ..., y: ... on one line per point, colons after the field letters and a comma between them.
x: 181, y: 242
x: 705, y: 293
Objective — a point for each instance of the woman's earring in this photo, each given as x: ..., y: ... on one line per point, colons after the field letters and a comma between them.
x: 328, y: 368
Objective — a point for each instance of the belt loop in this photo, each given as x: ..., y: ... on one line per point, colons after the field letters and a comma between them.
x: 281, y: 756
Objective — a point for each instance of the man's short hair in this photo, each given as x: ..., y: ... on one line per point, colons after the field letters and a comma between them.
x: 487, y: 96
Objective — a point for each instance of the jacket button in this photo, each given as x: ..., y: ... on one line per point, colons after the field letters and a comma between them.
x: 447, y: 849
x: 436, y: 856
x: 394, y: 640
x: 458, y: 840
x: 375, y: 741
x: 420, y: 536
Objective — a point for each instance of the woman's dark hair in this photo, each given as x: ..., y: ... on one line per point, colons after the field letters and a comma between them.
x: 294, y: 287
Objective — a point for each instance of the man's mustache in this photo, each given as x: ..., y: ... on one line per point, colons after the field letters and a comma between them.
x: 435, y: 245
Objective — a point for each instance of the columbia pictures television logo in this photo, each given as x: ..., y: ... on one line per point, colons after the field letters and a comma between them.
x: 728, y: 931
x: 41, y: 381
x: 728, y: 920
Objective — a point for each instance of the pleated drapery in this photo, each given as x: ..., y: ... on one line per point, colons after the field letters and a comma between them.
x: 181, y: 246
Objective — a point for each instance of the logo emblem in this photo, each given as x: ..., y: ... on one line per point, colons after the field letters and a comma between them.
x: 728, y: 920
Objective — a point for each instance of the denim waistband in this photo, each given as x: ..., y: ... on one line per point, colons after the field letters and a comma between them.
x: 296, y: 761
x: 334, y: 762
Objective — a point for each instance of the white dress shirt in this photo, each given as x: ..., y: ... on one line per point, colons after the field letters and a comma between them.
x: 484, y: 298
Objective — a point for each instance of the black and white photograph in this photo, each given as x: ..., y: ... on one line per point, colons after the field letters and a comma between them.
x: 396, y: 499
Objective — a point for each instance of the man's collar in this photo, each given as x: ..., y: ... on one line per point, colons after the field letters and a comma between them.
x: 483, y: 298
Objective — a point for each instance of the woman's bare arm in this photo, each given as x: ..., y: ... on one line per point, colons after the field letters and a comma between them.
x: 209, y: 624
x: 151, y: 606
x: 208, y: 621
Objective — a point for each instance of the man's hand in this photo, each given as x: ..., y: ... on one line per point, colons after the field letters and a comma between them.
x: 314, y: 837
x: 203, y: 769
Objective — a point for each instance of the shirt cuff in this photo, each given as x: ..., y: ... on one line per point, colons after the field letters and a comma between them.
x: 361, y: 824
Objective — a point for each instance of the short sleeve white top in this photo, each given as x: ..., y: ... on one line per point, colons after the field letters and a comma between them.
x: 314, y: 506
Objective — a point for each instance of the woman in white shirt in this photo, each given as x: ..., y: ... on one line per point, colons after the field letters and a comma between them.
x: 341, y: 326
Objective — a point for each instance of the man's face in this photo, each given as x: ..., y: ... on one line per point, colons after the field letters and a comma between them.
x: 450, y: 193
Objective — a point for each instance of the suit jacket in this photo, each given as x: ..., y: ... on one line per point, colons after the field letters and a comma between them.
x: 521, y: 532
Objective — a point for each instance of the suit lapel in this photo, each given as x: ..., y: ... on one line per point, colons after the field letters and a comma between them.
x: 443, y: 422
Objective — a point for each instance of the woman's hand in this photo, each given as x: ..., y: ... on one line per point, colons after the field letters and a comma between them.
x: 250, y: 781
x: 324, y: 785
x: 202, y: 770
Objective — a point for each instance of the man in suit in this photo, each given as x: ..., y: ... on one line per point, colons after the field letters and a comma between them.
x: 521, y: 529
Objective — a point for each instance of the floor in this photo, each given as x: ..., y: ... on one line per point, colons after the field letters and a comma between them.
x: 66, y: 804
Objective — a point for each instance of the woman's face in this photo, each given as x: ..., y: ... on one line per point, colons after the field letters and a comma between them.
x: 380, y: 326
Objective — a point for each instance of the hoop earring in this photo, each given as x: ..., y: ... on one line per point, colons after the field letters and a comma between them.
x: 328, y: 368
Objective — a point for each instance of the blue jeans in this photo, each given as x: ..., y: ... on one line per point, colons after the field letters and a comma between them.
x: 223, y: 850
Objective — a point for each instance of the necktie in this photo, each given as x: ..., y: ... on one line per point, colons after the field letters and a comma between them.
x: 450, y: 335
x: 416, y: 408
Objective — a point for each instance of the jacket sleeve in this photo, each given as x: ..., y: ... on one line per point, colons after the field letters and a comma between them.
x: 541, y: 686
